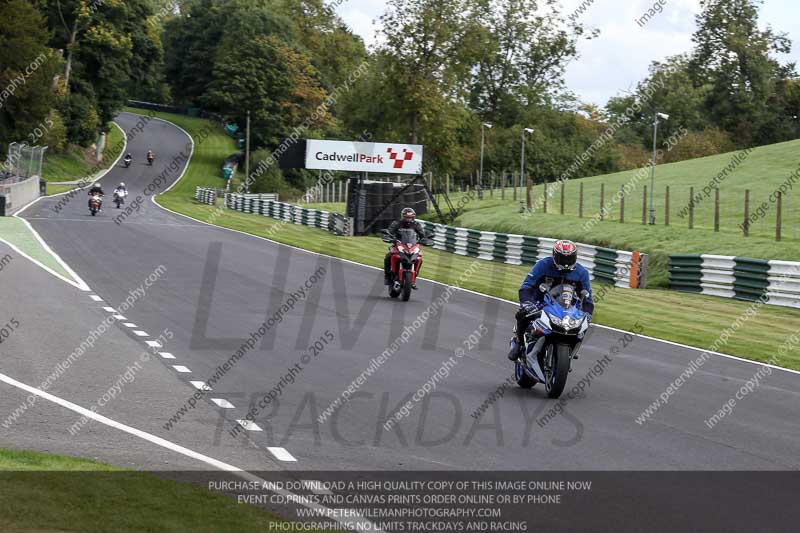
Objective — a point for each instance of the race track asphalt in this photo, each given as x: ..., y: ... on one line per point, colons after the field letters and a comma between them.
x: 219, y: 286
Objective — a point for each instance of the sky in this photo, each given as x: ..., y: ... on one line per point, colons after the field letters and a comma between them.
x: 619, y: 58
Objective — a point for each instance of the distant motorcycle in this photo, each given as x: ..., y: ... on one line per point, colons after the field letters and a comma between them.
x: 119, y: 198
x: 127, y: 162
x: 150, y: 159
x: 552, y: 340
x: 406, y: 261
x: 95, y: 204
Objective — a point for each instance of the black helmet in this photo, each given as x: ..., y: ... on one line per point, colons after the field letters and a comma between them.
x: 409, y: 215
x: 565, y: 254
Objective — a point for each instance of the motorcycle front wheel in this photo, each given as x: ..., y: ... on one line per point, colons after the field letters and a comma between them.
x: 556, y: 369
x: 406, y: 290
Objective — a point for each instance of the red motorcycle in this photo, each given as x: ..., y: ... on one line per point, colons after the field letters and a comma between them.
x: 406, y: 262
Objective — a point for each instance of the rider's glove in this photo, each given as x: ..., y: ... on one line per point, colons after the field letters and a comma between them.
x: 529, y: 307
x: 589, y: 317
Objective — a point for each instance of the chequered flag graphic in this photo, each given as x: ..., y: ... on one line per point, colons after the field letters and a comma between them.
x: 399, y: 158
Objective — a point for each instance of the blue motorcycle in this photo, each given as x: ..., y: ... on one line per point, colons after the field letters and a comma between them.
x: 553, y: 339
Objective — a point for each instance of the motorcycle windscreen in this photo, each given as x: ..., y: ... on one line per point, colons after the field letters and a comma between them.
x: 408, y: 237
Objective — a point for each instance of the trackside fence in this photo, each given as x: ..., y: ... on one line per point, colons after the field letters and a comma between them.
x: 742, y: 278
x: 266, y: 205
x: 623, y: 269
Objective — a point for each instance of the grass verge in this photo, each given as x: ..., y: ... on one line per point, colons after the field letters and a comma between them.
x: 695, y: 320
x: 55, y: 493
x: 77, y: 162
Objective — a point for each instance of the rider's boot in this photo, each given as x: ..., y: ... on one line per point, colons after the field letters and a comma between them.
x: 516, y: 349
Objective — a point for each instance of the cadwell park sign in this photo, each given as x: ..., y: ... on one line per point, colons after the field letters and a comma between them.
x: 378, y: 158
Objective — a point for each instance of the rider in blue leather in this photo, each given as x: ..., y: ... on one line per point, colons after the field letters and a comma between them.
x: 562, y: 267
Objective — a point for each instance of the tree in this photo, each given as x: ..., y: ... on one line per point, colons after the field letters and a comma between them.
x: 732, y: 56
x: 276, y: 84
x: 423, y: 48
x: 523, y: 47
x: 27, y: 68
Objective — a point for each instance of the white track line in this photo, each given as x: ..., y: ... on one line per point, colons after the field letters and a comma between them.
x: 95, y: 297
x: 120, y: 317
x: 249, y: 426
x: 225, y: 404
x: 177, y: 448
x: 153, y: 344
x: 81, y: 285
x: 199, y: 385
x: 182, y: 369
x: 110, y: 310
x: 117, y: 425
x: 139, y: 333
x: 166, y: 355
x: 130, y: 325
x: 281, y: 454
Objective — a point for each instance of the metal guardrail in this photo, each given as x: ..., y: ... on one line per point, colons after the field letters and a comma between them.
x: 623, y: 269
x: 742, y: 278
x: 265, y: 205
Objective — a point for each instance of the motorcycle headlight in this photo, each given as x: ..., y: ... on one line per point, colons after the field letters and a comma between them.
x: 555, y: 320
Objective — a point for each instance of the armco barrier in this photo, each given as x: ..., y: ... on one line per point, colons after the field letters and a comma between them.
x: 604, y: 264
x: 742, y: 278
x: 265, y: 205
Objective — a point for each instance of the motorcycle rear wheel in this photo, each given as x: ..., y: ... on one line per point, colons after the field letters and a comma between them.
x: 556, y: 375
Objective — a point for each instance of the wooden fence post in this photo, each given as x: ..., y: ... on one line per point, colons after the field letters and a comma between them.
x: 580, y: 202
x: 666, y: 208
x: 602, y: 201
x: 622, y: 204
x: 644, y: 206
x: 779, y: 221
x: 515, y: 187
x: 528, y: 187
x: 544, y: 198
x: 563, y: 193
x: 746, y: 225
x: 716, y: 210
x: 691, y: 207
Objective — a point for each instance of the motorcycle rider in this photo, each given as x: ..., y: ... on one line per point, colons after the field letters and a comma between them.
x: 128, y: 159
x: 96, y: 189
x: 151, y: 156
x: 408, y: 220
x: 121, y: 192
x: 561, y: 268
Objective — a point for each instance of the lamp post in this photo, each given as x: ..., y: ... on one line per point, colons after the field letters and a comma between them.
x: 522, y: 171
x: 653, y: 169
x: 483, y: 143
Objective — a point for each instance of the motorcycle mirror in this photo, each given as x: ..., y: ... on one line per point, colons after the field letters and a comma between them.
x: 544, y: 288
x: 584, y: 293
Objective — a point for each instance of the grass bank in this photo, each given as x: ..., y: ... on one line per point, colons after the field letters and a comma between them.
x: 78, y: 162
x: 660, y: 313
x: 55, y: 493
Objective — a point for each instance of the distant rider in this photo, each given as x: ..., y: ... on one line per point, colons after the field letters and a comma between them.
x: 96, y: 189
x: 559, y: 269
x: 408, y: 220
x: 121, y: 190
x: 151, y: 156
